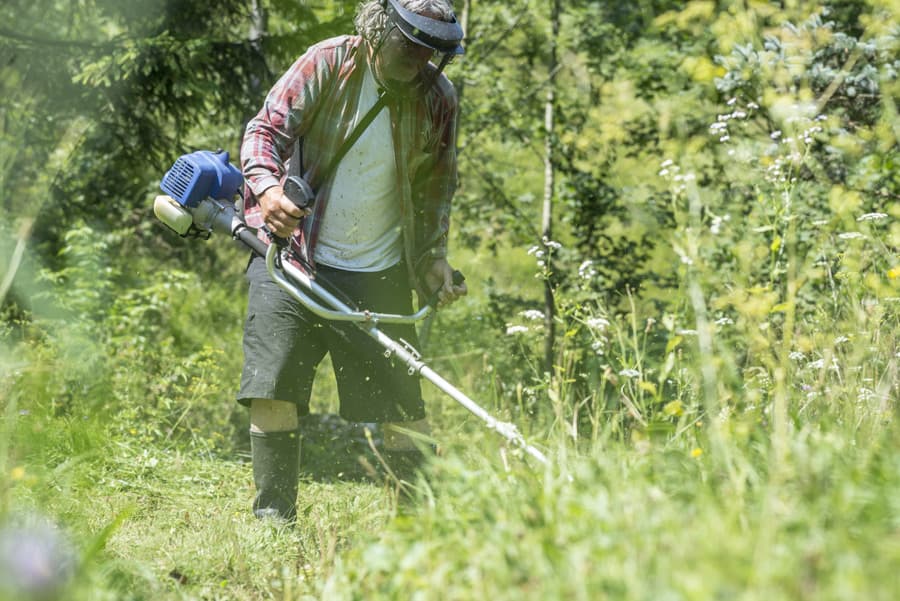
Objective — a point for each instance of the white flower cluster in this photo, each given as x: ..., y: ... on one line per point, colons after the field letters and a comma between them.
x: 719, y: 129
x: 716, y: 226
x: 539, y: 251
x: 597, y: 323
x: 872, y: 217
x: 586, y: 270
x: 670, y: 170
x: 532, y: 314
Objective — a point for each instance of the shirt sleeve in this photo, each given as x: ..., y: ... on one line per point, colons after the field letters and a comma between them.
x: 437, y: 181
x: 270, y: 135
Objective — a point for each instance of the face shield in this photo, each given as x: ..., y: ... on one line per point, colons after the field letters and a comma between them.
x: 441, y: 36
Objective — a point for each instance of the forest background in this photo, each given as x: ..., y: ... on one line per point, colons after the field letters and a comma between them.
x: 679, y: 227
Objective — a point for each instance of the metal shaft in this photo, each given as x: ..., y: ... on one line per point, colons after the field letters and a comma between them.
x: 403, y: 352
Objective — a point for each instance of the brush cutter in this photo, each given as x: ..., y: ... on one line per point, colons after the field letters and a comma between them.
x: 200, y: 190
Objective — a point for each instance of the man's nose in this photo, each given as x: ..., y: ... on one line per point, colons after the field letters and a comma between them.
x: 421, y: 53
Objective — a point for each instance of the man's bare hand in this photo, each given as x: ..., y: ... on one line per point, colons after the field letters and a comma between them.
x: 440, y: 277
x: 281, y: 216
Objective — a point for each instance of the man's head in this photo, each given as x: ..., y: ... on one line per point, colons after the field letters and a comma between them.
x: 405, y: 34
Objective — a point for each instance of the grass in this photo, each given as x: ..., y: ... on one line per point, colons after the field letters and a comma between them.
x: 152, y: 502
x: 645, y: 519
x: 128, y: 455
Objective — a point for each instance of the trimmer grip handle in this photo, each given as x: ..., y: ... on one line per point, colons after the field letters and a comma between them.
x: 299, y: 192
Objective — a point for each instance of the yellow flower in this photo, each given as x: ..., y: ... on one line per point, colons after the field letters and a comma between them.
x: 696, y: 452
x: 675, y: 408
x: 17, y: 473
x: 894, y: 273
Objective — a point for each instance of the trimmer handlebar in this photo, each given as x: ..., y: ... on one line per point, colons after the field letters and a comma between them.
x: 282, y: 272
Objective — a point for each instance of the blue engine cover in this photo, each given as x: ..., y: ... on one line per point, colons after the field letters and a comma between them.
x: 201, y: 174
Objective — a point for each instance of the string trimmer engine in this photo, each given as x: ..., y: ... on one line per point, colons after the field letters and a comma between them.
x: 200, y: 189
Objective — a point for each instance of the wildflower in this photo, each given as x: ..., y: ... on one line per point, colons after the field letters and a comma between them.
x: 36, y: 561
x: 851, y: 236
x: 775, y: 134
x: 532, y: 314
x: 696, y: 452
x: 731, y: 101
x: 663, y: 172
x: 674, y: 408
x: 17, y: 473
x: 586, y: 270
x: 865, y: 395
x: 752, y: 105
x: 512, y: 330
x: 894, y: 272
x: 872, y: 217
x: 597, y: 323
x: 797, y: 356
x: 552, y: 244
x: 630, y: 373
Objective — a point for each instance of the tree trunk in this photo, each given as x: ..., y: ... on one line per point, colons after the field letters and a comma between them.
x: 259, y: 27
x: 549, y: 190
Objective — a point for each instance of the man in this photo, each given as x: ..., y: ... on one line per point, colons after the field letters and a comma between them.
x: 377, y: 228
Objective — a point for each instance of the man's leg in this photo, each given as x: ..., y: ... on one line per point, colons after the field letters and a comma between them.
x: 275, y: 447
x: 374, y: 387
x: 397, y: 439
x: 281, y: 350
x: 406, y: 447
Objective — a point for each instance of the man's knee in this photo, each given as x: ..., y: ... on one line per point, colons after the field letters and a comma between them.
x: 267, y: 415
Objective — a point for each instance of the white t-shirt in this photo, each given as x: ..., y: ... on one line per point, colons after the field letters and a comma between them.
x: 361, y: 228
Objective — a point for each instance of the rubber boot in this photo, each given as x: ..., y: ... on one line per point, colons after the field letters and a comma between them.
x: 405, y: 463
x: 276, y: 463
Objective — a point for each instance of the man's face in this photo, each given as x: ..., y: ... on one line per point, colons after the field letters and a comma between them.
x: 399, y: 58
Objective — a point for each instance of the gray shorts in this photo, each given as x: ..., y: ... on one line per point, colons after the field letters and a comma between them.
x: 284, y: 343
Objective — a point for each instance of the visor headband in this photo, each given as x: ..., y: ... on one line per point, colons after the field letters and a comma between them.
x: 443, y: 36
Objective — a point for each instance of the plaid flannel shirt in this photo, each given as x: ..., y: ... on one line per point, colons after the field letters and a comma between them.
x: 315, y: 101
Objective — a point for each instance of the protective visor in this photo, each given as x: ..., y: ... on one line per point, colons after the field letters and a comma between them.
x: 442, y: 36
